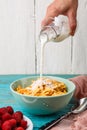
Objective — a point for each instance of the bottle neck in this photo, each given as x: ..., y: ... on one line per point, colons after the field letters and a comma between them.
x: 48, y: 33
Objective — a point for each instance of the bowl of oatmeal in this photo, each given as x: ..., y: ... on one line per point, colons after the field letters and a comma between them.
x: 42, y: 96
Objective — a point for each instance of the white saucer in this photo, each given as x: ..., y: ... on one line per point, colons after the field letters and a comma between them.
x: 29, y: 123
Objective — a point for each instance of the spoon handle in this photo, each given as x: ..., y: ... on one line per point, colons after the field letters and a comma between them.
x: 54, y: 122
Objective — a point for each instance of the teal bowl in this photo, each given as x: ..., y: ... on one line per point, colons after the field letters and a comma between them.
x: 43, y: 105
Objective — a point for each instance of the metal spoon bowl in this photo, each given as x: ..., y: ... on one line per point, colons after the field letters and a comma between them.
x: 82, y: 106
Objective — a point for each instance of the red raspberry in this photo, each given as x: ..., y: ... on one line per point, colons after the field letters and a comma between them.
x: 19, y: 128
x: 6, y: 116
x: 12, y: 122
x: 21, y: 114
x: 6, y: 125
x: 23, y: 124
x: 10, y: 109
x: 0, y: 117
x: 0, y: 123
x: 3, y: 110
x: 17, y: 116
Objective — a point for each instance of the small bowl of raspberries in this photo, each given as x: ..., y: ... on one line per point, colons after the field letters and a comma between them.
x: 10, y: 120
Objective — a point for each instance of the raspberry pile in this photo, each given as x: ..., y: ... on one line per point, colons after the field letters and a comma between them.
x: 10, y: 120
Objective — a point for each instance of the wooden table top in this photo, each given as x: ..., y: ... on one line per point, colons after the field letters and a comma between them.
x: 6, y: 99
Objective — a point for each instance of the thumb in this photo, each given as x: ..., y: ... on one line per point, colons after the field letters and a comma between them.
x: 49, y: 17
x: 46, y: 21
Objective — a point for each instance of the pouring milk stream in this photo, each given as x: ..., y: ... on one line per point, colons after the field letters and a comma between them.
x: 57, y: 31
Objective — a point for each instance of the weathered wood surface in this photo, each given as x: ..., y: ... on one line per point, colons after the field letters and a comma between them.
x: 7, y: 99
x: 17, y: 46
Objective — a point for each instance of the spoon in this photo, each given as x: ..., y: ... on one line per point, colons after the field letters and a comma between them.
x: 82, y: 106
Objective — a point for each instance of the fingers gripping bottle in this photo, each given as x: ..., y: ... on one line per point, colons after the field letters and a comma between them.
x: 57, y: 31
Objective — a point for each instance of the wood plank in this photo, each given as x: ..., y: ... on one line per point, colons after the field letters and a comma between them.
x: 79, y: 60
x: 57, y: 57
x: 17, y: 49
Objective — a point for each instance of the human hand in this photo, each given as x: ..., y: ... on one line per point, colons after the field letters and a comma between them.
x: 65, y: 7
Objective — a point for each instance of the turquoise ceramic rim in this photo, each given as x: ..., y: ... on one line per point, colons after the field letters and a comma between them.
x: 53, y: 77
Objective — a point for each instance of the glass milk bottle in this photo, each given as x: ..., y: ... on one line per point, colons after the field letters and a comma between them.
x: 57, y: 31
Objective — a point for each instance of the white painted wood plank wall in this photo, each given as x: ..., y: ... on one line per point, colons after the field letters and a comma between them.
x: 19, y: 49
x: 17, y: 46
x: 79, y: 50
